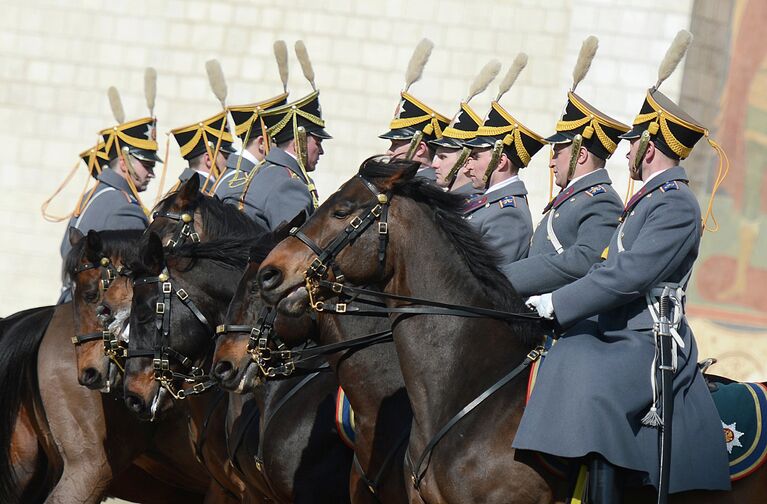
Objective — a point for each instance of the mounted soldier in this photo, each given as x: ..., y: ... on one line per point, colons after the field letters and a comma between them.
x: 282, y: 187
x: 125, y: 167
x: 597, y: 393
x: 579, y: 221
x: 206, y: 144
x: 415, y: 124
x: 450, y: 153
x: 501, y: 148
x: 233, y: 185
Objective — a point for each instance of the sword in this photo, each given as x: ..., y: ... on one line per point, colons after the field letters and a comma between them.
x: 665, y: 342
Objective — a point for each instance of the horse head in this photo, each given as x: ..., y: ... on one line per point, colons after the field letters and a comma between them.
x: 346, y: 237
x: 101, y: 302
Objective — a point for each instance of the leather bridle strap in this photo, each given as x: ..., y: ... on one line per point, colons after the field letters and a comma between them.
x: 417, y: 472
x: 184, y: 227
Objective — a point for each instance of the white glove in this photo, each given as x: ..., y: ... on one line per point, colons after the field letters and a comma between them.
x: 543, y: 304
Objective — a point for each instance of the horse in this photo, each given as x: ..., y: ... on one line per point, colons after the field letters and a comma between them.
x: 73, y: 460
x: 451, y: 310
x: 370, y: 377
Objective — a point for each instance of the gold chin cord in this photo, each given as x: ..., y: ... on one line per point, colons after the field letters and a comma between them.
x: 125, y: 155
x: 302, y: 154
x: 575, y: 151
x: 414, y: 142
x: 494, y: 160
x: 459, y: 163
x: 644, y: 142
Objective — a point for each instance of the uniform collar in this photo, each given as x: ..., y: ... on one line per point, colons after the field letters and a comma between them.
x: 502, y: 183
x: 246, y: 164
x: 280, y: 157
x: 111, y: 178
x: 580, y: 184
x: 674, y: 173
x: 513, y: 188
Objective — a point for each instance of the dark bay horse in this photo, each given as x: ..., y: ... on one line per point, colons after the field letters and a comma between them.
x: 370, y: 376
x: 447, y: 361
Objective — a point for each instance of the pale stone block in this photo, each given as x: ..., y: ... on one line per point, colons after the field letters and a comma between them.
x: 38, y: 71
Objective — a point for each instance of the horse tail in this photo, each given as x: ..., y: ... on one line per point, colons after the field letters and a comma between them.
x: 20, y: 337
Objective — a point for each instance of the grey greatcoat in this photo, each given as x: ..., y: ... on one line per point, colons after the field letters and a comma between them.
x: 230, y: 188
x: 466, y: 189
x: 576, y: 228
x: 111, y: 206
x: 278, y: 192
x: 503, y: 219
x: 594, y: 387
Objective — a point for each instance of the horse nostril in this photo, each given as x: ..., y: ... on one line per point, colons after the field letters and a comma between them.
x: 91, y: 378
x: 135, y: 404
x: 223, y: 371
x: 269, y: 278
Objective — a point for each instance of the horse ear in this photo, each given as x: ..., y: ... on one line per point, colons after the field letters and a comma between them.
x: 283, y: 230
x: 152, y: 254
x: 189, y: 191
x: 93, y: 246
x: 75, y: 235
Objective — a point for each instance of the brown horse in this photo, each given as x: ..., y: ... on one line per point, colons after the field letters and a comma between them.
x: 370, y: 376
x: 447, y: 361
x: 74, y: 460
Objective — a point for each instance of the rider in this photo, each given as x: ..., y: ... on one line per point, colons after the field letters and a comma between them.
x: 282, y: 187
x: 594, y: 395
x: 126, y: 166
x: 205, y: 145
x: 579, y: 221
x: 450, y: 154
x: 502, y: 146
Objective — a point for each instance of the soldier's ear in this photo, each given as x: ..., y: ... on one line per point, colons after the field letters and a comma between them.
x: 93, y: 246
x: 75, y: 235
x: 189, y: 191
x: 152, y: 254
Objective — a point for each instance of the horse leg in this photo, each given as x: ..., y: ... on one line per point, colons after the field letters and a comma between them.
x: 24, y: 450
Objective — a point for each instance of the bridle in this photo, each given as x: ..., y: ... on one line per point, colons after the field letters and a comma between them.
x: 317, y: 272
x: 114, y: 348
x: 184, y: 229
x: 162, y: 353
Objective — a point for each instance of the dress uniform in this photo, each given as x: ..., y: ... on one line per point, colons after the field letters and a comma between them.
x: 282, y: 188
x: 235, y: 180
x: 211, y: 136
x: 502, y: 214
x: 598, y: 383
x: 113, y: 203
x: 579, y: 221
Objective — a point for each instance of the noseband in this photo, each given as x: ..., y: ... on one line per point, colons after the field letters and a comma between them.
x: 161, y: 353
x: 318, y: 269
x: 184, y: 229
x: 113, y: 348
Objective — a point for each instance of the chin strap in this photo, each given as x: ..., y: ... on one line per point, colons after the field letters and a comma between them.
x: 414, y: 142
x: 574, y: 153
x: 459, y: 163
x: 493, y: 164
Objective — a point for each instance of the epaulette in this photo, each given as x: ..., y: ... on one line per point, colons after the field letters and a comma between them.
x: 507, y: 201
x: 671, y: 185
x: 594, y: 190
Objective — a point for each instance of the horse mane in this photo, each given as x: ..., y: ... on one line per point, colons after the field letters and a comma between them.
x: 218, y: 218
x: 118, y: 245
x: 446, y: 208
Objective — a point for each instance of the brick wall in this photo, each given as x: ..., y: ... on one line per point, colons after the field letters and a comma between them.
x: 58, y: 57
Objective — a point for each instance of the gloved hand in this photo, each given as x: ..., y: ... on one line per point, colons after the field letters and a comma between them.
x: 543, y: 304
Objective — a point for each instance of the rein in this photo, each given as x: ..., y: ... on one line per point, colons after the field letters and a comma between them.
x: 161, y: 354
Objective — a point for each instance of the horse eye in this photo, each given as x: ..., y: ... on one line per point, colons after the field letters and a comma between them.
x: 342, y: 212
x: 90, y: 296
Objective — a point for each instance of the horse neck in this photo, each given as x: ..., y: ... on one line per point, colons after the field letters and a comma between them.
x: 446, y: 361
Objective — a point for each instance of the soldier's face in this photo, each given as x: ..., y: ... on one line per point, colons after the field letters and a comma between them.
x: 476, y: 166
x: 631, y: 156
x: 142, y: 172
x: 398, y: 148
x: 443, y: 162
x: 313, y: 152
x: 560, y: 163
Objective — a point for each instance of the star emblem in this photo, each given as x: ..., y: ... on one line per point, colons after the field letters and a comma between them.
x: 731, y: 436
x: 400, y: 109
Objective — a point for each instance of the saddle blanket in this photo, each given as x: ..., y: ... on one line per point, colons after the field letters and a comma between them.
x: 743, y: 411
x: 344, y: 418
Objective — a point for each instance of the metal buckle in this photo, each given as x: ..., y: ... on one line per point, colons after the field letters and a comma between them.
x: 167, y: 288
x: 317, y: 267
x: 160, y: 308
x: 182, y: 294
x: 337, y: 287
x: 194, y: 237
x: 74, y: 340
x: 355, y: 222
x: 172, y: 243
x: 383, y: 228
x: 376, y: 211
x: 341, y: 308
